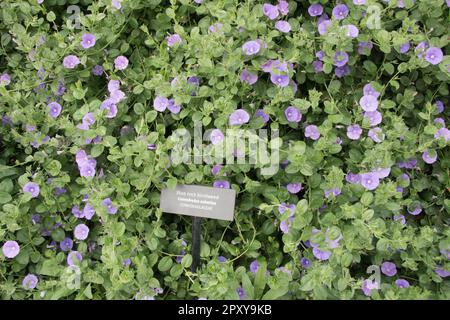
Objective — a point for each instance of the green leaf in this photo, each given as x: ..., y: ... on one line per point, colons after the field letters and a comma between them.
x: 5, y: 197
x: 165, y: 264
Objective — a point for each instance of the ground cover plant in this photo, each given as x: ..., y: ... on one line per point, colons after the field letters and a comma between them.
x: 91, y: 92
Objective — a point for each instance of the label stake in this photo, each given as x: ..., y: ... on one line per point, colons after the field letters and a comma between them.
x: 195, y: 243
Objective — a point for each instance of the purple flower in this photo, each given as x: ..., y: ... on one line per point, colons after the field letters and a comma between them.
x: 294, y: 187
x: 222, y: 259
x: 31, y: 188
x: 340, y: 58
x: 359, y: 2
x: 364, y: 48
x: 216, y: 136
x: 376, y: 134
x: 81, y: 232
x: 248, y: 77
x: 342, y: 71
x: 434, y: 55
x: 321, y: 255
x: 30, y: 282
x: 323, y: 26
x: 352, y: 30
x: 401, y: 218
x: 111, y: 107
x: 5, y: 79
x: 370, y: 181
x: 283, y: 26
x: 442, y: 272
x: 215, y: 27
x: 353, y: 178
x: 88, y: 211
x: 368, y: 103
x: 340, y: 11
x: 87, y: 121
x: 116, y: 4
x: 421, y: 48
x: 71, y: 61
x: 87, y: 40
x: 368, y: 285
x: 354, y: 132
x: 160, y: 103
x: 292, y: 114
x: 374, y: 117
x: 87, y: 170
x: 305, y: 262
x: 429, y: 156
x: 415, y: 209
x: 389, y: 268
x: 10, y: 249
x: 66, y: 244
x: 270, y: 11
x: 97, y: 70
x: 402, y: 283
x: 109, y: 206
x: 251, y: 47
x: 74, y: 258
x: 126, y: 262
x: 311, y: 131
x: 382, y: 172
x: 121, y: 63
x: 216, y: 169
x: 439, y: 106
x: 333, y: 191
x: 238, y: 117
x: 174, y: 108
x: 318, y: 66
x: 254, y: 266
x: 404, y: 48
x: 173, y: 39
x: 315, y: 10
x: 443, y: 132
x: 283, y: 7
x: 221, y: 184
x: 54, y: 109
x: 241, y: 293
x: 280, y: 80
x: 262, y: 114
x: 77, y: 212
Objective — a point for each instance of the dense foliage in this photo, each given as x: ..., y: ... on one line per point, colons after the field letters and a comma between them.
x: 357, y: 88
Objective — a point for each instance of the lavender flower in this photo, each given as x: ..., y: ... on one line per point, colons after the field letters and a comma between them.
x: 441, y: 272
x: 311, y: 131
x: 415, y: 209
x: 88, y: 211
x: 320, y: 254
x: 434, y: 55
x: 305, y: 262
x: 30, y: 282
x: 368, y: 103
x: 402, y: 283
x: 10, y: 249
x: 54, y: 109
x: 31, y: 188
x: 294, y: 187
x: 254, y: 266
x: 401, y: 218
x: 251, y: 47
x: 374, y: 117
x: 270, y: 11
x: 173, y: 39
x: 351, y: 30
x: 109, y: 206
x: 444, y: 133
x: 439, y: 106
x: 359, y: 2
x: 292, y: 114
x: 74, y: 258
x: 87, y: 41
x: 283, y: 7
x: 216, y: 136
x: 340, y: 58
x: 222, y: 259
x: 160, y: 103
x: 283, y: 26
x: 323, y: 26
x: 370, y: 181
x: 376, y: 134
x: 221, y: 184
x: 389, y: 268
x: 216, y: 169
x: 81, y: 232
x: 97, y: 70
x: 262, y: 114
x: 353, y: 178
x: 354, y: 132
x: 364, y: 48
x: 248, y: 77
x: 71, y: 61
x: 173, y: 107
x: 429, y: 156
x: 315, y: 10
x: 369, y: 285
x: 121, y: 63
x: 5, y: 79
x: 66, y: 244
x: 280, y: 80
x: 340, y: 12
x: 318, y: 66
x: 238, y: 117
x: 404, y: 48
x: 241, y: 293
